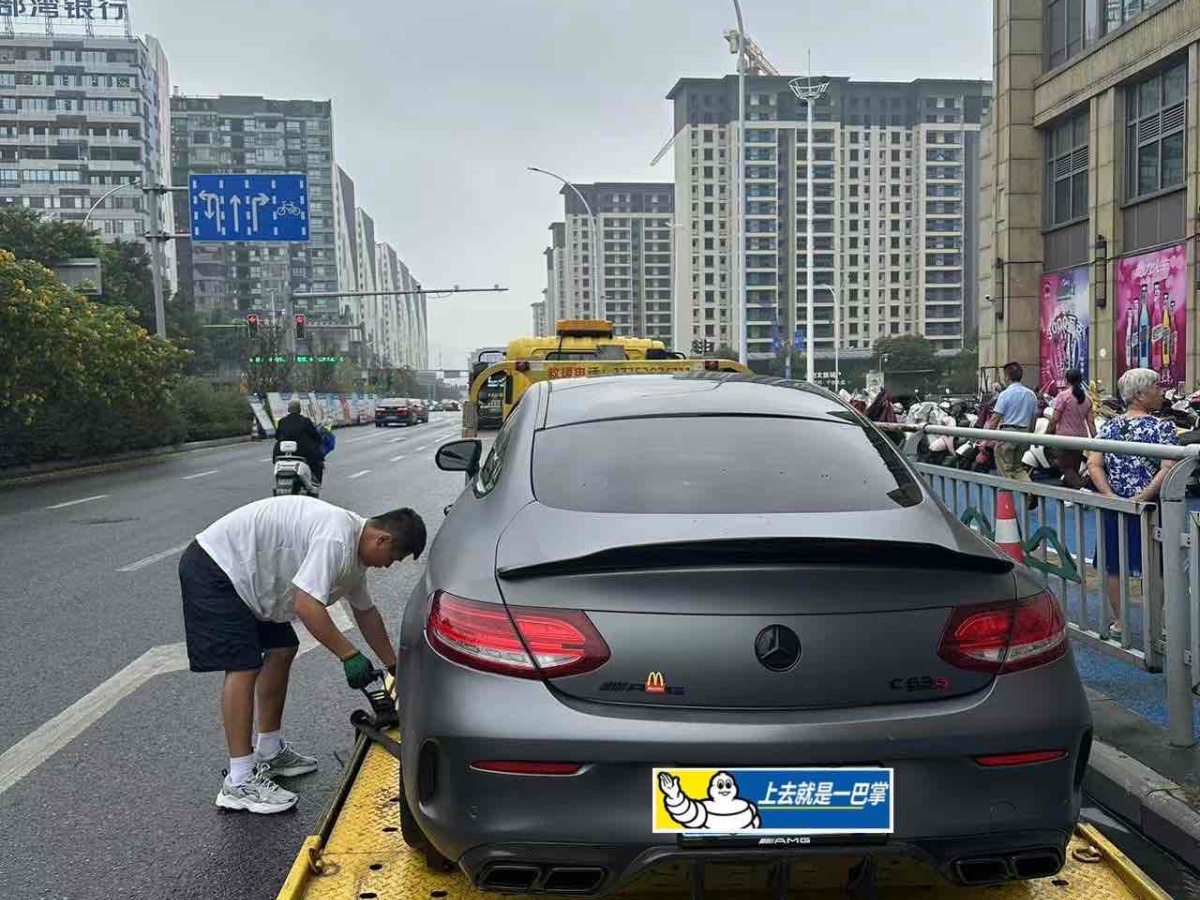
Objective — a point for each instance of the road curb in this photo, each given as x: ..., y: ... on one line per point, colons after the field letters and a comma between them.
x: 1152, y: 802
x: 44, y: 472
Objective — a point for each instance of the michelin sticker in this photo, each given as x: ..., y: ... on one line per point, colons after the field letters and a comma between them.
x: 762, y: 802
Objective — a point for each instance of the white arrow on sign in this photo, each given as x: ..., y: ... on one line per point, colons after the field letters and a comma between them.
x: 214, y: 208
x: 255, y: 203
x: 236, y: 202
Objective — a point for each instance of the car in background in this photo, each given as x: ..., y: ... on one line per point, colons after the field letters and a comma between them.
x: 436, y: 406
x: 656, y: 589
x: 395, y: 411
x: 451, y: 406
x: 421, y: 407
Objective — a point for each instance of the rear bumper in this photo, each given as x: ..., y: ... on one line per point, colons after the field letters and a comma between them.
x: 947, y: 806
x: 392, y: 419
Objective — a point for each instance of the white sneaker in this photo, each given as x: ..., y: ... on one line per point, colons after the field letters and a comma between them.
x: 287, y: 763
x: 259, y: 794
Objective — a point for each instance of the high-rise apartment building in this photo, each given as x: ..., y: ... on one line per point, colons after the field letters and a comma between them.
x: 630, y: 284
x: 894, y: 179
x: 537, y: 312
x: 84, y: 111
x: 558, y: 298
x: 389, y: 329
x: 254, y: 135
x: 1088, y: 255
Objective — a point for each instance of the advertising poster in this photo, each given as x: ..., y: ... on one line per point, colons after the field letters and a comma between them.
x: 1150, y: 318
x: 1066, y: 320
x: 261, y: 416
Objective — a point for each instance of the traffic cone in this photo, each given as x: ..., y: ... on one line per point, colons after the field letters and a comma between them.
x: 1008, y: 535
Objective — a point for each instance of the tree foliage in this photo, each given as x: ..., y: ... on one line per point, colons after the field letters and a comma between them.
x: 76, y: 378
x: 905, y: 353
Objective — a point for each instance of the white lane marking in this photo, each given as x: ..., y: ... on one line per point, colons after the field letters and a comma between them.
x: 419, y: 449
x: 151, y: 560
x: 267, y: 459
x: 35, y: 748
x: 396, y: 458
x: 358, y: 474
x: 201, y: 474
x: 77, y: 502
x: 365, y: 437
x: 396, y: 440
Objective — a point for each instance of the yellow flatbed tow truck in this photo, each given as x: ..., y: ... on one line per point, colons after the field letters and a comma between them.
x: 358, y: 854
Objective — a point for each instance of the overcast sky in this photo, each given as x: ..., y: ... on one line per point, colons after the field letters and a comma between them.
x: 439, y: 106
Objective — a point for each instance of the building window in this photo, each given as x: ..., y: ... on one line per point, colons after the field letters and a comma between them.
x: 1067, y: 171
x: 1154, y: 133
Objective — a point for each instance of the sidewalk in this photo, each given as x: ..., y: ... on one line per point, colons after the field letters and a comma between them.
x: 1133, y: 770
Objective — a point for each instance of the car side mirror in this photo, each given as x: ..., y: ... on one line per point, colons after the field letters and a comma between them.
x: 460, y: 456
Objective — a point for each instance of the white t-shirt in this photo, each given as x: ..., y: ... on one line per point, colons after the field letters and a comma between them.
x: 271, y: 547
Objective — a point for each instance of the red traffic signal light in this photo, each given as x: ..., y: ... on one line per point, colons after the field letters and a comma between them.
x: 300, y: 318
x: 252, y: 323
x: 300, y: 322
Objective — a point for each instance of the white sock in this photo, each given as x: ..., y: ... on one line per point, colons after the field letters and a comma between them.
x: 269, y: 743
x: 240, y: 768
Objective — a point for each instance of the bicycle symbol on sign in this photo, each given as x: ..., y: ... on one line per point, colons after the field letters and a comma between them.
x: 287, y: 208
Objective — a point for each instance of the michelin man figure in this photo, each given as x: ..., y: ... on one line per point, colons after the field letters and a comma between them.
x: 724, y: 811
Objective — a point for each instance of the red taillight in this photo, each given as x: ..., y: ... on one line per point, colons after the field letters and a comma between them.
x: 485, y: 636
x: 517, y: 767
x: 1008, y: 638
x: 1001, y: 760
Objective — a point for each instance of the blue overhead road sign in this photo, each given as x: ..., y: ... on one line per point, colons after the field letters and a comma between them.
x: 249, y: 207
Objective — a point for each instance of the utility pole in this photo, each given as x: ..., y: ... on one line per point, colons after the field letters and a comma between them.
x: 156, y: 237
x: 808, y: 92
x: 740, y: 189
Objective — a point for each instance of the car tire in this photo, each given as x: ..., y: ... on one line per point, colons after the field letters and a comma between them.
x: 412, y: 834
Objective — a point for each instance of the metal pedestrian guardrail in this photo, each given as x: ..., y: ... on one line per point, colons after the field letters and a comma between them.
x: 1152, y: 587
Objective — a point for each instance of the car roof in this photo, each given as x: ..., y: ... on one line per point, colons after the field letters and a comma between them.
x: 393, y: 400
x: 577, y: 400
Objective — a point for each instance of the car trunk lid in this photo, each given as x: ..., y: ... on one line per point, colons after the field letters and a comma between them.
x: 739, y: 612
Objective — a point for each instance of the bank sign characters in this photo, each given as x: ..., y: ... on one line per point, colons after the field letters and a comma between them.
x: 253, y: 208
x: 70, y: 10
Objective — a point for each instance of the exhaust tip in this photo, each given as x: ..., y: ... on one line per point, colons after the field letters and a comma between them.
x: 510, y: 877
x: 1037, y: 863
x: 573, y: 880
x: 982, y: 870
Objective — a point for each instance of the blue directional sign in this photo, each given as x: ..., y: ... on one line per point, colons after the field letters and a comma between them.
x: 249, y: 207
x: 798, y: 339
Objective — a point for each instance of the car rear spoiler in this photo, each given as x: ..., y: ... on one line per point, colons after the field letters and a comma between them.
x: 541, y: 540
x: 765, y: 552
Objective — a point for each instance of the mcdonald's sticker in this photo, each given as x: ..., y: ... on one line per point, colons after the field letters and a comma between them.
x: 655, y: 683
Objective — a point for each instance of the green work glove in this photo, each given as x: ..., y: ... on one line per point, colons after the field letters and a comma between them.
x: 359, y: 671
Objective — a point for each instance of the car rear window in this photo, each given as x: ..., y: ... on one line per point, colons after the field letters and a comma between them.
x: 719, y: 464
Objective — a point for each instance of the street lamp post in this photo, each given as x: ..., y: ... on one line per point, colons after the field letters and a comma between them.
x: 808, y: 92
x: 592, y: 280
x: 740, y: 190
x: 837, y: 333
x: 136, y: 181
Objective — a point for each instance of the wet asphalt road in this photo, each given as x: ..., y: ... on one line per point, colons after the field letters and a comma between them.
x: 125, y: 809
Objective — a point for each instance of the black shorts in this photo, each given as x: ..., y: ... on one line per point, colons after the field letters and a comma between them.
x: 222, y: 634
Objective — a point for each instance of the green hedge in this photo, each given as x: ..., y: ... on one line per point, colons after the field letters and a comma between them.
x: 210, y: 412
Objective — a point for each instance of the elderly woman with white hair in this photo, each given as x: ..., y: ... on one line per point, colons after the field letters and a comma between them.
x: 1132, y: 477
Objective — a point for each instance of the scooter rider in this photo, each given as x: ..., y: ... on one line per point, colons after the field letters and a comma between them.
x: 297, y: 427
x: 243, y: 580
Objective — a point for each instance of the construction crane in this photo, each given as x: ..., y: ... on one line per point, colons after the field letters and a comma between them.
x: 756, y: 64
x: 756, y: 61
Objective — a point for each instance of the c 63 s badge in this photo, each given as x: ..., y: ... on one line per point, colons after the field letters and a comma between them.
x: 655, y: 683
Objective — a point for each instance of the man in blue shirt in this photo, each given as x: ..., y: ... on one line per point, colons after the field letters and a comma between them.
x: 1015, y: 410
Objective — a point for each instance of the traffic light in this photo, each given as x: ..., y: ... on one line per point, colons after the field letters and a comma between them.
x: 300, y: 323
x: 252, y: 325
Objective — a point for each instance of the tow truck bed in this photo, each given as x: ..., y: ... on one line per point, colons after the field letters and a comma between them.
x: 358, y: 854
